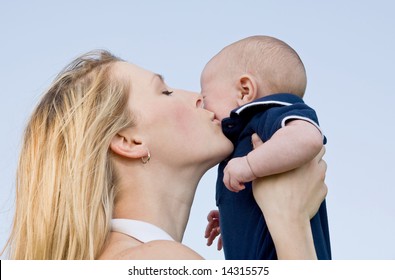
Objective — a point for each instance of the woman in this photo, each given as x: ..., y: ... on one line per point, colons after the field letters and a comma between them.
x: 110, y: 161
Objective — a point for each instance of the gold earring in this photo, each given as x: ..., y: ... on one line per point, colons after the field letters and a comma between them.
x: 146, y: 159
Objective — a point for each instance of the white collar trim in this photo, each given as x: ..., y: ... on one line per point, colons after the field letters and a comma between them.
x: 257, y: 103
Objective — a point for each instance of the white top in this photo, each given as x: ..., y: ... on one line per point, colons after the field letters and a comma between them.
x: 142, y: 231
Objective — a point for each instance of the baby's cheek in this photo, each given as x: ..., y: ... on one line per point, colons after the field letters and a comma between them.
x: 209, y: 106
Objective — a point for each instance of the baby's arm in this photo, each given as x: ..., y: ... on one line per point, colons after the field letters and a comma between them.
x: 291, y: 146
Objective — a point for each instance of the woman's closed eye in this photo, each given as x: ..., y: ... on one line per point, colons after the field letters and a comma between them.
x: 167, y: 92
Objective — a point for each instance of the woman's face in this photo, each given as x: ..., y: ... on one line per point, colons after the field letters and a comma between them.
x: 172, y: 122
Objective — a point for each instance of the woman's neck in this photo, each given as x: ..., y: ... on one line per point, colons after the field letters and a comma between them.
x: 162, y: 198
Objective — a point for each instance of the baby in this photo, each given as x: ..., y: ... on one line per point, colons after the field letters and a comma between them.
x: 265, y: 80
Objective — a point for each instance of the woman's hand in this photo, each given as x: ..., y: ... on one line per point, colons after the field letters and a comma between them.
x: 288, y: 202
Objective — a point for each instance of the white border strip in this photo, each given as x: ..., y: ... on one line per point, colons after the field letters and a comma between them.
x: 139, y: 230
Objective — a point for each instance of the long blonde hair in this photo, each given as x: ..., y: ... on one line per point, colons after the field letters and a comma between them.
x: 66, y: 185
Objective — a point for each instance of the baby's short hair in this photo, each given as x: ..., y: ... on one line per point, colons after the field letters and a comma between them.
x: 276, y: 66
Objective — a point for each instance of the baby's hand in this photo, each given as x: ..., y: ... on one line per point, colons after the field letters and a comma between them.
x: 213, y: 229
x: 236, y: 173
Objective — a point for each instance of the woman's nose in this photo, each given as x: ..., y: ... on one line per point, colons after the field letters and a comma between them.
x: 195, y: 97
x: 199, y: 101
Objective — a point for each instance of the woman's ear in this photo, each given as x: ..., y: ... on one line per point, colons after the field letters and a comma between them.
x: 126, y: 146
x: 248, y: 89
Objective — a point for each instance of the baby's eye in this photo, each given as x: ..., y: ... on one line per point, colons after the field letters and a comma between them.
x: 167, y: 92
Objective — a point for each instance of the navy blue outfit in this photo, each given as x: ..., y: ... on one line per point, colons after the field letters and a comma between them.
x: 244, y: 231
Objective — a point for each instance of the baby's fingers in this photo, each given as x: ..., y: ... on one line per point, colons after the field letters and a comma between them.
x: 219, y: 244
x: 213, y: 234
x: 256, y: 141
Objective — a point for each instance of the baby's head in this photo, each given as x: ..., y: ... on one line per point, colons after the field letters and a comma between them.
x: 248, y: 69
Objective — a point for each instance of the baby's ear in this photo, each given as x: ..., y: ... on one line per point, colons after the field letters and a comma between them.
x: 247, y: 88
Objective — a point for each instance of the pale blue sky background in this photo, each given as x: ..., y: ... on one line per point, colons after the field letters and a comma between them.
x: 347, y: 47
